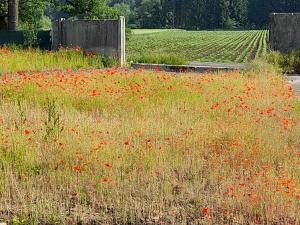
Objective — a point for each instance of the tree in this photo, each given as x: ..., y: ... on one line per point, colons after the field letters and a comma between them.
x: 31, y: 13
x: 123, y: 9
x: 149, y: 14
x: 3, y: 14
x: 86, y: 9
x: 13, y: 14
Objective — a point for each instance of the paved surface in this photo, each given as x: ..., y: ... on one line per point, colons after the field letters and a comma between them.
x: 295, y: 83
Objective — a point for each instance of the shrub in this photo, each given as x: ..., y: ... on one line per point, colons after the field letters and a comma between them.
x: 297, y: 62
x: 289, y: 62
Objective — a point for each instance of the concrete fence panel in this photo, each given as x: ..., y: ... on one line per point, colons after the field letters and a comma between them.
x: 285, y: 31
x: 106, y: 37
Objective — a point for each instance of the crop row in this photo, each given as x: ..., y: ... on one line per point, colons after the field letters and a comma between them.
x: 201, y: 46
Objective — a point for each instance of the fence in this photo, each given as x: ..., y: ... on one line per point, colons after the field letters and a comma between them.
x: 106, y: 37
x: 18, y: 38
x: 285, y: 31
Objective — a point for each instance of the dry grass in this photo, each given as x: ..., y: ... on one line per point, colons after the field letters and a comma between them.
x: 135, y: 147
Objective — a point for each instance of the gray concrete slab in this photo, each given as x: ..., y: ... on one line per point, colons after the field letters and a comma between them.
x: 294, y: 81
x: 218, y: 65
x: 199, y: 67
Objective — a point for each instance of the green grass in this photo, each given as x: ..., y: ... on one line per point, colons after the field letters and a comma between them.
x: 16, y: 60
x: 200, y: 46
x: 297, y: 107
x: 161, y: 59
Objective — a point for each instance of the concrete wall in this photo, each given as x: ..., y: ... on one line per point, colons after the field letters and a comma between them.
x: 106, y: 37
x: 285, y: 31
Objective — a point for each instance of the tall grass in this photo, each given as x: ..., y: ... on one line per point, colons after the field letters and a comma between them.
x: 17, y: 60
x: 169, y: 59
x: 135, y: 147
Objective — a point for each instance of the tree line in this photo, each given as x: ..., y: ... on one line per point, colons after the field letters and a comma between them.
x: 203, y: 14
x: 185, y: 14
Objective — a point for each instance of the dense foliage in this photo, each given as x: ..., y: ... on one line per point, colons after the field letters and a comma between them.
x: 82, y: 9
x: 187, y: 14
x: 204, y: 14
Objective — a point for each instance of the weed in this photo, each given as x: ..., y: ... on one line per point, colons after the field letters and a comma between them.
x: 19, y: 123
x: 109, y: 61
x: 53, y: 123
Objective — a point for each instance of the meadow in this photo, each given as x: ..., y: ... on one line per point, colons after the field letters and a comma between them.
x: 119, y: 146
x: 200, y: 46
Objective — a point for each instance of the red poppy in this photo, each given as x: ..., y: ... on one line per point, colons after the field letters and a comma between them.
x: 204, y: 211
x: 77, y: 168
x: 26, y: 132
x: 94, y: 93
x: 108, y: 165
x: 126, y: 142
x: 104, y: 180
x: 170, y: 88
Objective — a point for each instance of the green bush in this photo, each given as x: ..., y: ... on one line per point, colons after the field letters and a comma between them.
x: 289, y: 62
x: 297, y: 63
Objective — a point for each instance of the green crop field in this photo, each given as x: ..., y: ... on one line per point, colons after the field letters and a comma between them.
x: 200, y: 46
x: 151, y: 31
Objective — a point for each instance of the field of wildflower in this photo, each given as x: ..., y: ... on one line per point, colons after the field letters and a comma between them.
x: 119, y: 146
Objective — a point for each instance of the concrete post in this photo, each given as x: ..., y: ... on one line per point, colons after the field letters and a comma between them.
x: 121, y: 41
x: 56, y: 34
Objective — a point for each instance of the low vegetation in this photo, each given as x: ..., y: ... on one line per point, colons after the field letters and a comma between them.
x: 170, y: 59
x: 201, y: 46
x: 288, y: 62
x: 14, y: 59
x: 134, y: 147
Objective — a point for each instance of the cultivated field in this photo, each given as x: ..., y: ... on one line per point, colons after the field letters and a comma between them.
x: 134, y: 147
x: 202, y: 46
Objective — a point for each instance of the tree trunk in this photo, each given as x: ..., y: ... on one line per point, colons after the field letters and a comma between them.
x: 13, y: 14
